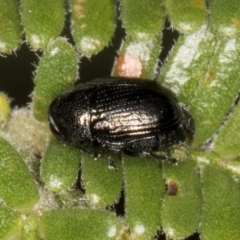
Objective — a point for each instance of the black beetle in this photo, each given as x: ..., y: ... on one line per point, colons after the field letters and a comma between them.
x: 136, y: 116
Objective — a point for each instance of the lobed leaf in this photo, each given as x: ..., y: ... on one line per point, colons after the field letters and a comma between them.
x: 29, y: 230
x: 225, y: 17
x: 227, y: 141
x: 218, y: 90
x: 102, y: 185
x: 143, y: 21
x: 60, y: 165
x: 42, y: 20
x: 187, y: 16
x: 92, y: 24
x: 138, y: 58
x: 188, y: 63
x: 17, y: 188
x: 10, y: 223
x: 4, y: 108
x: 79, y: 224
x: 144, y: 189
x: 10, y: 26
x: 182, y: 204
x: 221, y: 208
x: 57, y: 71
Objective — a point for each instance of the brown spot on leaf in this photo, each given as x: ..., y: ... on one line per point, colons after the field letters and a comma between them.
x: 78, y: 9
x: 83, y: 26
x: 209, y: 76
x: 235, y: 21
x: 200, y: 4
x: 129, y: 66
x: 172, y: 188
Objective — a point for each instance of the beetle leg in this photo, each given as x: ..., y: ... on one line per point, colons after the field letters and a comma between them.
x: 111, y: 164
x: 170, y: 159
x: 165, y: 158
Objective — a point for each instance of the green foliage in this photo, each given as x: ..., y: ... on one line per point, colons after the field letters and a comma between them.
x: 144, y: 189
x: 81, y: 224
x: 92, y: 24
x: 42, y: 21
x: 225, y: 17
x: 218, y: 90
x: 188, y: 63
x: 4, y: 108
x: 142, y: 20
x: 41, y: 199
x: 186, y: 15
x: 10, y: 28
x: 221, y: 193
x: 10, y: 223
x: 59, y: 166
x: 181, y: 211
x: 57, y: 71
x: 17, y: 188
x: 138, y: 58
x: 103, y: 185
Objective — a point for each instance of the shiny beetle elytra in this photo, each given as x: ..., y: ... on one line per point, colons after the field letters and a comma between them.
x: 135, y: 116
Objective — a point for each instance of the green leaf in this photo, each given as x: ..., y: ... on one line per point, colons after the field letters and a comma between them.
x: 181, y: 208
x: 139, y: 53
x: 10, y: 28
x: 142, y: 20
x: 57, y: 71
x: 4, y: 108
x: 225, y: 17
x: 27, y: 135
x: 186, y: 15
x: 103, y: 185
x: 79, y: 224
x: 92, y: 24
x: 138, y: 58
x: 42, y: 20
x: 144, y: 189
x: 188, y: 63
x: 17, y: 187
x: 221, y: 194
x: 29, y: 230
x: 218, y: 90
x: 227, y: 141
x: 10, y: 223
x: 60, y: 166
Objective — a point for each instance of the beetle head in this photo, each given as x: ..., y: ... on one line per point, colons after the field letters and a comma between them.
x: 68, y: 117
